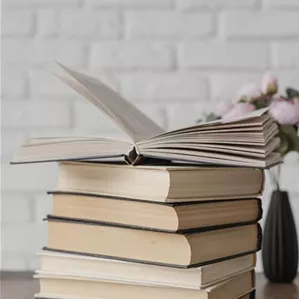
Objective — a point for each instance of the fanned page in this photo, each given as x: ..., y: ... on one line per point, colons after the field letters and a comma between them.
x: 247, y: 141
x: 135, y: 123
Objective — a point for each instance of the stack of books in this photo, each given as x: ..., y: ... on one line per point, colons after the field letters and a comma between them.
x: 177, y: 218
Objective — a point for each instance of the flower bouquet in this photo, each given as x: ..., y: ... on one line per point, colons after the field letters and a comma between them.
x: 284, y: 108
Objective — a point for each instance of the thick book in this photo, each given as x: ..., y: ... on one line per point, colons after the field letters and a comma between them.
x: 190, y: 249
x: 173, y: 217
x: 67, y: 287
x: 168, y: 183
x: 244, y: 141
x: 93, y: 267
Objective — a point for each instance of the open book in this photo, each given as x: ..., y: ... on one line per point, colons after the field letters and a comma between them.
x: 245, y: 141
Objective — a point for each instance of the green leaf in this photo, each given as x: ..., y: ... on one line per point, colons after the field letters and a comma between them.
x: 289, y: 139
x: 292, y: 93
x: 261, y: 103
x: 211, y: 117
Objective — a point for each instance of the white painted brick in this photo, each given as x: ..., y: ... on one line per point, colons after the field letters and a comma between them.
x: 43, y: 83
x: 164, y: 86
x: 183, y: 115
x: 261, y: 24
x: 287, y: 78
x: 48, y: 23
x: 17, y: 23
x: 164, y: 24
x: 130, y: 3
x: 43, y: 206
x: 285, y: 55
x: 214, y: 4
x: 13, y: 83
x: 259, y: 267
x: 50, y: 132
x: 35, y: 114
x: 29, y: 177
x: 282, y: 3
x: 130, y: 55
x: 291, y: 158
x: 219, y: 54
x: 10, y: 142
x: 34, y: 263
x: 13, y: 261
x: 225, y: 85
x: 289, y: 177
x: 15, y: 208
x: 24, y: 238
x: 103, y: 24
x: 40, y: 3
x: 42, y: 52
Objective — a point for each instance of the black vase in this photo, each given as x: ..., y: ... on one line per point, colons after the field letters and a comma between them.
x: 280, y: 244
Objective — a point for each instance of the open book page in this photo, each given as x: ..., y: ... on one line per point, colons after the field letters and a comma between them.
x: 204, y: 157
x: 235, y: 133
x: 256, y: 118
x: 249, y: 141
x: 135, y: 123
x: 70, y: 148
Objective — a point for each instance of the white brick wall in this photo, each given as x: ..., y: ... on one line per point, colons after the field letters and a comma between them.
x: 173, y: 58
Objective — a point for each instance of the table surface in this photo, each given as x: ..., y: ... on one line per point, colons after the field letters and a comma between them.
x: 16, y: 285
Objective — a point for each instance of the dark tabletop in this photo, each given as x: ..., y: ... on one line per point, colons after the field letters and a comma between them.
x: 22, y: 286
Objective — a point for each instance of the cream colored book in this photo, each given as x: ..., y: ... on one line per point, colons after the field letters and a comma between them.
x: 76, y: 287
x: 245, y: 141
x: 127, y: 272
x: 171, y: 217
x: 181, y: 183
x: 182, y: 250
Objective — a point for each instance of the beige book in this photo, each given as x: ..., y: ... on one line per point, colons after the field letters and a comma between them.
x: 127, y: 272
x: 171, y: 217
x: 171, y: 183
x: 174, y: 249
x: 67, y: 287
x: 245, y: 141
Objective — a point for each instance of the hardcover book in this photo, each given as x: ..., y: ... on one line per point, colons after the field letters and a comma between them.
x: 245, y: 141
x: 139, y: 273
x: 60, y: 286
x: 182, y: 250
x: 160, y: 183
x: 168, y: 217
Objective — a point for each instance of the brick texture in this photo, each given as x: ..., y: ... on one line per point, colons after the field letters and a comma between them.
x: 152, y: 24
x: 173, y: 58
x: 131, y: 55
x: 240, y: 24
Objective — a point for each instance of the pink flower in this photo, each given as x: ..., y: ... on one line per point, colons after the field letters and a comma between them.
x: 269, y: 84
x: 286, y: 113
x: 223, y: 107
x: 296, y: 103
x: 239, y: 110
x: 248, y: 92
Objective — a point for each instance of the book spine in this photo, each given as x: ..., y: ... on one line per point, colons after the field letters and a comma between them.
x: 263, y: 183
x: 260, y: 210
x: 253, y: 277
x: 259, y: 237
